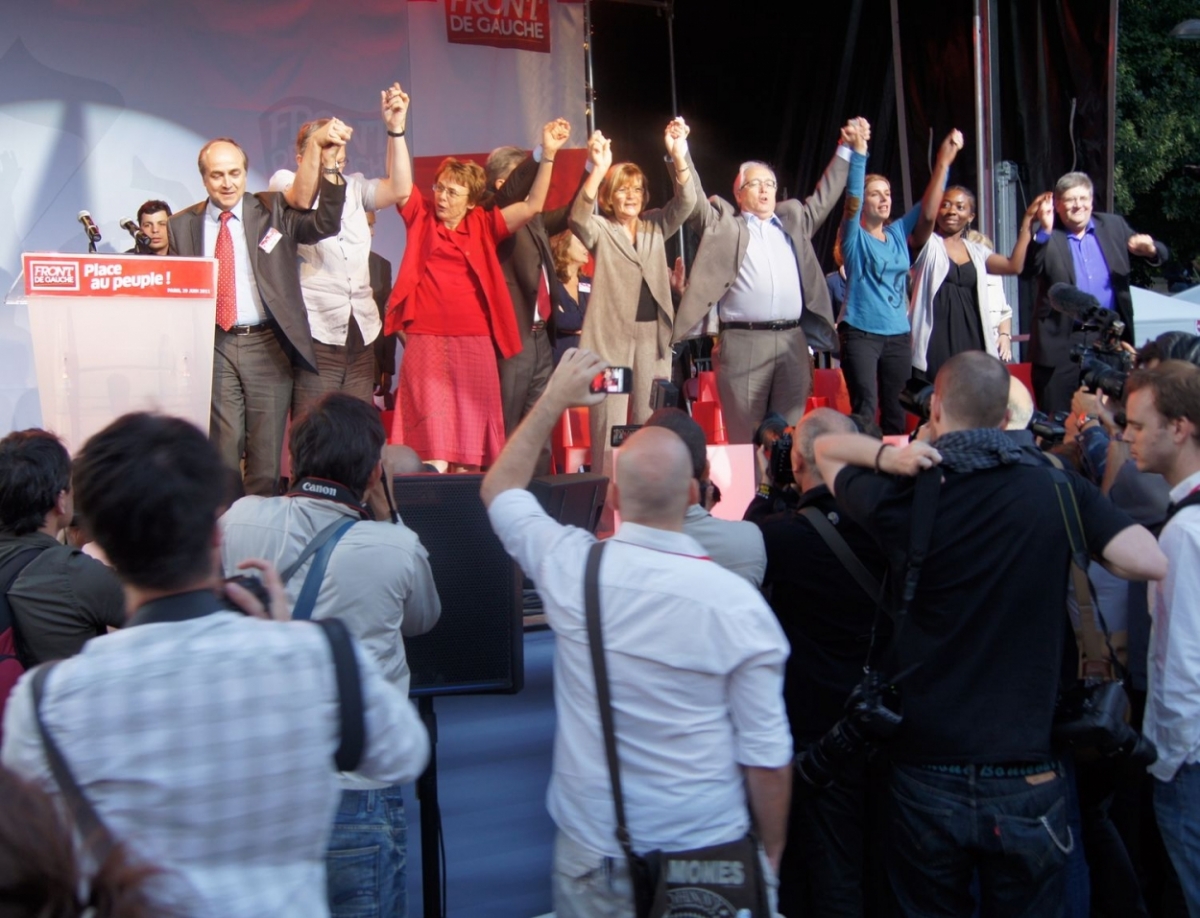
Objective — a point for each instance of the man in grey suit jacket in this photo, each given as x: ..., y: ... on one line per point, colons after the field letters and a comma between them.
x: 757, y: 265
x: 253, y: 356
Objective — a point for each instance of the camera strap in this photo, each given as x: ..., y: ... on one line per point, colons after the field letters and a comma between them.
x: 838, y: 545
x: 1096, y: 654
x: 924, y: 510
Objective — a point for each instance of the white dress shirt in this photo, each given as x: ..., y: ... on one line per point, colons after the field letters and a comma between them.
x: 334, y: 274
x: 695, y: 664
x: 1173, y: 697
x: 250, y: 309
x: 207, y: 745
x: 767, y: 288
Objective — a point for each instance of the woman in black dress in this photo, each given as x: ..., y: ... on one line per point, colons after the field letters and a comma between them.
x: 569, y: 290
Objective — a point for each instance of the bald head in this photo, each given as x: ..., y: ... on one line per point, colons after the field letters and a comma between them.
x: 654, y: 479
x: 814, y: 424
x: 1020, y: 405
x: 972, y: 391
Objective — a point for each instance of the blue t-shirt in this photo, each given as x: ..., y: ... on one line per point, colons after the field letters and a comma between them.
x: 876, y: 270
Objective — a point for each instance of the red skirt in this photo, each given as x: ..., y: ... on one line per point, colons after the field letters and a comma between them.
x: 448, y: 405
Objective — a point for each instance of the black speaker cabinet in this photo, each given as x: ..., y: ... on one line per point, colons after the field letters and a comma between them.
x: 573, y: 500
x: 477, y: 645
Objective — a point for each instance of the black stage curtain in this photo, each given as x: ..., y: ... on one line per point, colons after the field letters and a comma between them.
x: 775, y: 82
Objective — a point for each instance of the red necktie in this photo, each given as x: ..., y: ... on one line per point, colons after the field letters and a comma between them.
x: 226, y: 285
x: 543, y: 296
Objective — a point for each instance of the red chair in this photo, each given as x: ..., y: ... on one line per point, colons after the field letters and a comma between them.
x: 831, y: 386
x: 708, y: 415
x: 571, y: 442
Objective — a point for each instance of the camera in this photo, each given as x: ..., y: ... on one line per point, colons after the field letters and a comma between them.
x: 873, y: 715
x: 780, y: 466
x: 915, y: 398
x: 613, y: 380
x: 1091, y: 716
x: 1050, y: 430
x: 1102, y: 370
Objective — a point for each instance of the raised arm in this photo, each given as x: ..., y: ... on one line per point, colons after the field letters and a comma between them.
x: 851, y: 230
x: 683, y: 202
x: 1015, y: 263
x: 568, y: 387
x: 836, y: 451
x: 817, y: 207
x: 1149, y: 248
x: 583, y: 217
x: 517, y: 214
x: 303, y: 190
x: 936, y: 187
x: 397, y: 186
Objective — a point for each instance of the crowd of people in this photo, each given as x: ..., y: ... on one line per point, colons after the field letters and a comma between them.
x: 867, y: 682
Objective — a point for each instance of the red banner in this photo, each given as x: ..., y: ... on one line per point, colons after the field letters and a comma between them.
x: 520, y: 24
x: 119, y: 275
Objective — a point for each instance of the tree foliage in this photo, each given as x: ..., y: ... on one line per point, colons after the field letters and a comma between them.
x: 1158, y: 124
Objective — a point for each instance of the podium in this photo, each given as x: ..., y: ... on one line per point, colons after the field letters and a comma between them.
x: 118, y: 333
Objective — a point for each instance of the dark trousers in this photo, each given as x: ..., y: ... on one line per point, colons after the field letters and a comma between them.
x: 348, y: 368
x: 948, y: 827
x: 251, y: 394
x: 876, y: 368
x: 523, y: 378
x: 1053, y: 387
x: 832, y: 864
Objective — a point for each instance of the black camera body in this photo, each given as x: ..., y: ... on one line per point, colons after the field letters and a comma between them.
x: 1092, y: 714
x: 781, y: 461
x: 873, y: 715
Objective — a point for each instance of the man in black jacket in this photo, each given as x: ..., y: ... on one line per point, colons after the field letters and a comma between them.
x: 1087, y: 249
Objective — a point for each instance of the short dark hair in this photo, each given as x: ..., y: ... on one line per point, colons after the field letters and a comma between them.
x: 1175, y: 387
x: 973, y: 388
x: 152, y: 207
x: 149, y: 488
x: 678, y: 422
x: 34, y: 469
x: 339, y: 439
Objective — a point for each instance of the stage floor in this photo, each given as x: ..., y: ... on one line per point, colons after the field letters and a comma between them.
x: 493, y: 769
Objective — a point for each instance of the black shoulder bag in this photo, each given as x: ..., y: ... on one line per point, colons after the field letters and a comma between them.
x: 725, y: 879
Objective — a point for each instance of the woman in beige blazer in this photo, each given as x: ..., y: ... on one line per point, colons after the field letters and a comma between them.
x: 630, y: 315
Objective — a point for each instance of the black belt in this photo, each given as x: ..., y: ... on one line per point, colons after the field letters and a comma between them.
x: 996, y: 769
x: 761, y: 326
x: 538, y: 326
x: 248, y: 329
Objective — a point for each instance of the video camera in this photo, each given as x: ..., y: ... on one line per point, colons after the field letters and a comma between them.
x: 1104, y: 364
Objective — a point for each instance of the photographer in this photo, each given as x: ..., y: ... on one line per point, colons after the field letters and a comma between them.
x: 828, y: 617
x: 975, y: 787
x: 377, y: 580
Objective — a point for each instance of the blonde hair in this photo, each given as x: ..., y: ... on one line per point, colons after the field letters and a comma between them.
x: 619, y: 176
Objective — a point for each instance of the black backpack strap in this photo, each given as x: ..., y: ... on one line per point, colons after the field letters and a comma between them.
x: 9, y: 572
x: 97, y: 838
x: 837, y: 544
x: 591, y: 600
x: 352, y: 727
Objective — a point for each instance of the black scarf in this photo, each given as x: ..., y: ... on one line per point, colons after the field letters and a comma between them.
x: 972, y: 450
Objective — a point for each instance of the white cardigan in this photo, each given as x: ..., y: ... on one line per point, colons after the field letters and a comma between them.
x: 928, y: 273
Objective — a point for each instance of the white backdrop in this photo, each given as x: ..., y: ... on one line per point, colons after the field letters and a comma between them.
x: 104, y: 106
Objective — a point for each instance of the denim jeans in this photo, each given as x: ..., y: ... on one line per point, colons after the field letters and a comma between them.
x: 366, y: 865
x: 949, y: 826
x: 1177, y: 805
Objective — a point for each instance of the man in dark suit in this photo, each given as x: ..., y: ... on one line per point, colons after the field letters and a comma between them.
x: 262, y: 326
x: 528, y: 268
x: 1091, y: 251
x: 757, y: 265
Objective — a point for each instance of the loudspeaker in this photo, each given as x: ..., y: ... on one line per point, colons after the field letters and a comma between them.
x: 573, y: 500
x: 477, y: 645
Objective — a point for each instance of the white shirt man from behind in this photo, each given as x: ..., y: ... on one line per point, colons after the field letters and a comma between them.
x: 695, y: 663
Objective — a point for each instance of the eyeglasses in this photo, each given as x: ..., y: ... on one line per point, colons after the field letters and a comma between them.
x: 451, y: 193
x: 1077, y: 200
x: 755, y: 184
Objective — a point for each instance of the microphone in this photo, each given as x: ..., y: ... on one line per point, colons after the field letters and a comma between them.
x: 89, y: 226
x: 135, y: 231
x: 1071, y: 301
